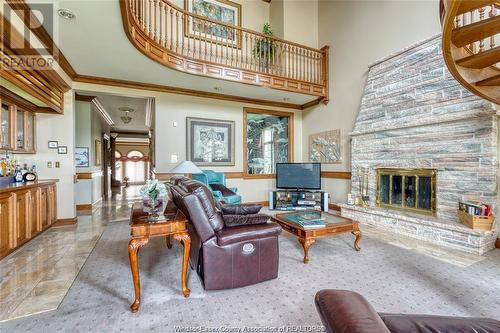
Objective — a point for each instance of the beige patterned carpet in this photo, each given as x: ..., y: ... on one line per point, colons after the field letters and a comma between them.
x: 394, y: 279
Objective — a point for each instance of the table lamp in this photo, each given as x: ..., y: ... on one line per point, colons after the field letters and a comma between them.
x: 186, y: 167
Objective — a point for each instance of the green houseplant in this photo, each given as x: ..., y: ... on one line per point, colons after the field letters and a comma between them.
x: 264, y: 49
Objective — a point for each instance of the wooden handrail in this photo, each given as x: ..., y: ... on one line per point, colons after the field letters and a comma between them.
x: 214, y: 48
x: 472, y: 23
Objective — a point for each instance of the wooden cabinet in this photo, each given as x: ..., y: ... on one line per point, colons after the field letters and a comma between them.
x: 25, y: 211
x: 6, y: 223
x: 22, y: 216
x: 17, y: 128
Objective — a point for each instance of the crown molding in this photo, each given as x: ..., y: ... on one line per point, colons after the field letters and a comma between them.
x: 181, y: 91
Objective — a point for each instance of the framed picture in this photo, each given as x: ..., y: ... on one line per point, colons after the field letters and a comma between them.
x: 82, y: 157
x: 53, y: 144
x: 62, y: 150
x: 98, y: 153
x: 325, y: 147
x: 220, y: 10
x: 210, y: 142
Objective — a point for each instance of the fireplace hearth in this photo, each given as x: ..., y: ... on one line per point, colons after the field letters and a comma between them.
x: 412, y: 190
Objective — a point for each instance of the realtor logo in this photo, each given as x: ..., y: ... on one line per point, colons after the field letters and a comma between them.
x: 22, y: 48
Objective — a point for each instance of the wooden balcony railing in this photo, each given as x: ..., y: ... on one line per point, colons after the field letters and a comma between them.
x: 471, y: 32
x: 195, y: 44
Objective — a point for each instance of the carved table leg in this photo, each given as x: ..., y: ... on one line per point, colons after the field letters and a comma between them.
x: 358, y: 235
x: 186, y: 241
x: 306, y: 243
x: 133, y: 247
x: 168, y: 239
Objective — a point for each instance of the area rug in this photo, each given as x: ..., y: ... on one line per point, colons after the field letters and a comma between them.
x: 393, y: 279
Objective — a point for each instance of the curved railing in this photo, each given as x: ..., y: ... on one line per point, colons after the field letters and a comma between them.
x: 471, y: 32
x: 195, y: 44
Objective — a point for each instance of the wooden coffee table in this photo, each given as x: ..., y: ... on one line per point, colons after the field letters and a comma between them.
x: 335, y: 224
x: 174, y: 224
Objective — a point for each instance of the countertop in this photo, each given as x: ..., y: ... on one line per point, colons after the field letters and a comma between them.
x: 26, y: 185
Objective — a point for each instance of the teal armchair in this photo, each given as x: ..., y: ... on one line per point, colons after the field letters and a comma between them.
x: 216, y: 181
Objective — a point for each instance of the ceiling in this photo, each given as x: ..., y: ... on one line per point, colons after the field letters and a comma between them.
x: 111, y: 104
x: 95, y: 44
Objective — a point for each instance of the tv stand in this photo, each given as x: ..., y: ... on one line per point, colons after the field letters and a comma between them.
x: 292, y: 200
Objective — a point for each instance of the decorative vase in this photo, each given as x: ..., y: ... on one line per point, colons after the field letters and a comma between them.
x: 154, y: 208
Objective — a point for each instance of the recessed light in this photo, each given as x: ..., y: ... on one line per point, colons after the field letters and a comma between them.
x: 66, y: 14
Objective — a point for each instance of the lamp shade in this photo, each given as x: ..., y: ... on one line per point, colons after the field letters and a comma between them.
x: 186, y: 167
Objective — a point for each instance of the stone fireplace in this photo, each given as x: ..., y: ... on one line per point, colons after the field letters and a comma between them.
x: 426, y: 143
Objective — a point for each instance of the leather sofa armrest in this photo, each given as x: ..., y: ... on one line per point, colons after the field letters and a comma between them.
x: 241, y: 209
x: 347, y: 311
x: 413, y: 323
x: 244, y: 233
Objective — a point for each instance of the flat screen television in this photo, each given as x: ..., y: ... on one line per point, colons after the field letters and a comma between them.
x: 300, y: 176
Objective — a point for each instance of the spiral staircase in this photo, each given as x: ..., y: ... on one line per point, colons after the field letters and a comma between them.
x: 471, y: 30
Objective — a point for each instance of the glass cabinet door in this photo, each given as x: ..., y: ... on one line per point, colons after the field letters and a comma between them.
x: 30, y: 140
x: 20, y: 135
x: 5, y: 127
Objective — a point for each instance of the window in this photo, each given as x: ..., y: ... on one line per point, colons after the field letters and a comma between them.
x: 117, y: 154
x: 135, y: 155
x: 268, y: 139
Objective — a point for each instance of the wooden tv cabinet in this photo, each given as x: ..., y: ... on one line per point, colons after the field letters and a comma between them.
x: 293, y: 200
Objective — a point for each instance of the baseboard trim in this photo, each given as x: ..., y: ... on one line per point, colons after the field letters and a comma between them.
x: 497, y: 243
x: 64, y: 222
x: 83, y: 207
x: 333, y: 206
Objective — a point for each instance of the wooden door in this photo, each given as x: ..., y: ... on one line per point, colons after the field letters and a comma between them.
x: 34, y: 210
x: 22, y: 216
x: 6, y: 223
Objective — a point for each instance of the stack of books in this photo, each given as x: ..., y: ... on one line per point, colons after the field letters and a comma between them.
x: 311, y: 221
x: 475, y: 208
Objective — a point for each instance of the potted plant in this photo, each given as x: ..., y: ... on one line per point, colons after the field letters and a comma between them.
x: 264, y: 49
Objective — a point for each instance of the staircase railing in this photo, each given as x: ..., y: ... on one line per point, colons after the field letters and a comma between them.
x: 470, y: 44
x: 200, y: 39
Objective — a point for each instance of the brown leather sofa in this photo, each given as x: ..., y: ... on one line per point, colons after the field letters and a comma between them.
x: 343, y: 311
x: 225, y: 257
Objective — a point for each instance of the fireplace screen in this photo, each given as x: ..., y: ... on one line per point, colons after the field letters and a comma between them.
x: 412, y: 190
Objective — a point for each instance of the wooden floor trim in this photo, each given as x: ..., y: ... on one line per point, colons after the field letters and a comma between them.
x: 497, y: 243
x: 83, y: 207
x: 333, y: 206
x: 64, y: 222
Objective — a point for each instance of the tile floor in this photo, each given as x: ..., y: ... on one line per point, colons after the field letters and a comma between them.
x: 36, y: 278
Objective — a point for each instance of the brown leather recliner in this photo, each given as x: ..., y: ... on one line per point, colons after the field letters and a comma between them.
x: 343, y: 311
x: 225, y: 257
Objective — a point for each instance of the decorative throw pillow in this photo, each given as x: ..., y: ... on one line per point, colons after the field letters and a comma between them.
x: 237, y: 220
x: 243, y: 209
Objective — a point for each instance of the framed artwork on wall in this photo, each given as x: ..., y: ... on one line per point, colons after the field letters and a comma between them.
x: 62, y: 150
x: 98, y: 153
x: 210, y: 142
x: 220, y: 10
x: 82, y: 157
x: 325, y: 147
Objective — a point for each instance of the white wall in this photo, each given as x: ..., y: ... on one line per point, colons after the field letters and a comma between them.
x: 58, y: 128
x: 360, y: 33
